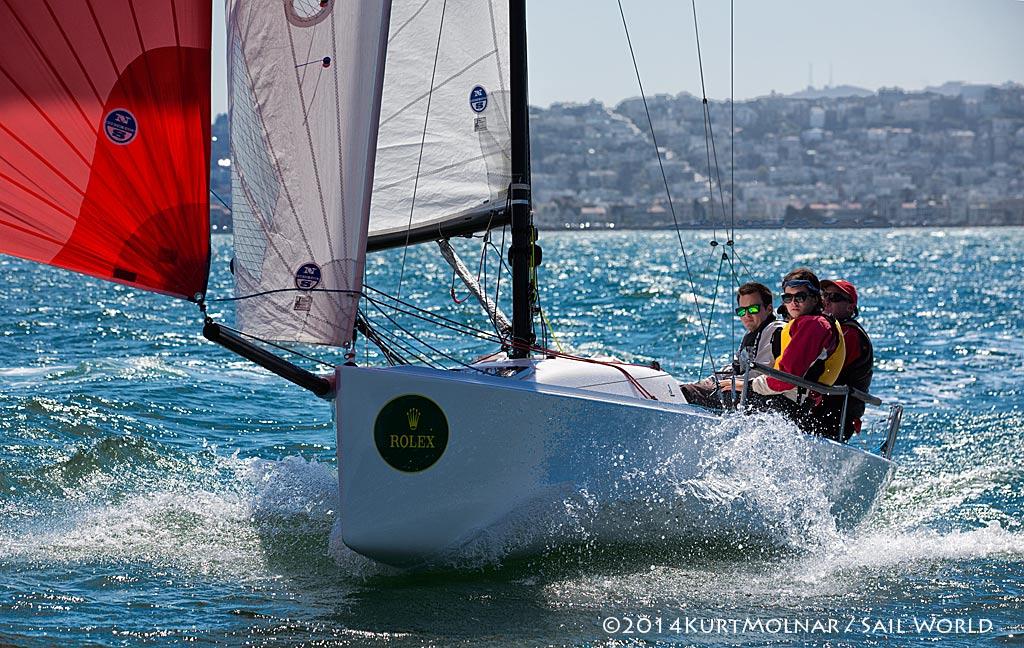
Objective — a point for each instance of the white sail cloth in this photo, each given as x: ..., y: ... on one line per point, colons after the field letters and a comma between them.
x: 305, y: 80
x: 434, y: 166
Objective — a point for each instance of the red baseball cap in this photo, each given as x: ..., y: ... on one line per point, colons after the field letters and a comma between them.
x: 844, y: 287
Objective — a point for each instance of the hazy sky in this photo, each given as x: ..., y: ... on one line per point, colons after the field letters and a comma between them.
x: 578, y: 50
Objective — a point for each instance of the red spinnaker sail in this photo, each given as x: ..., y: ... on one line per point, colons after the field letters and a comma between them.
x: 105, y: 138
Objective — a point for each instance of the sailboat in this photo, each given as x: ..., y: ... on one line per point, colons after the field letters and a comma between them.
x: 355, y: 127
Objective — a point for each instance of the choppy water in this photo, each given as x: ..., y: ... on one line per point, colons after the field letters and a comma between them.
x: 156, y: 489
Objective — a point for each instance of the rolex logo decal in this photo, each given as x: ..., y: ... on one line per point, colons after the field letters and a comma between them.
x: 411, y: 433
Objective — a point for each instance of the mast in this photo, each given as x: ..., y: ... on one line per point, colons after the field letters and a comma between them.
x: 522, y: 253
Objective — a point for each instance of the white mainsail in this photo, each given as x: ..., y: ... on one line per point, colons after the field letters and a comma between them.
x: 305, y: 80
x: 434, y: 166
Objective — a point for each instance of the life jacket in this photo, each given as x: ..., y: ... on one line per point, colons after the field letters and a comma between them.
x: 825, y: 370
x: 858, y: 374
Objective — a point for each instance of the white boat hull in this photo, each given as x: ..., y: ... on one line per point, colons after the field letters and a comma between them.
x: 528, y: 465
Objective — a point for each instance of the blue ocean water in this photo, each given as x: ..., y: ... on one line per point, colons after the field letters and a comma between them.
x: 156, y: 489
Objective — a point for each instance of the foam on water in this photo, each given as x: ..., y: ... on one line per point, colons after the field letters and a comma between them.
x: 225, y: 518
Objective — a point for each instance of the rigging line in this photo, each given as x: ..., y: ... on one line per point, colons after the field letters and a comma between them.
x: 316, y: 86
x: 718, y: 169
x: 390, y: 339
x: 438, y: 321
x: 732, y: 122
x: 452, y: 290
x: 686, y: 262
x: 711, y: 315
x: 423, y: 143
x: 732, y: 156
x: 412, y: 354
x: 435, y: 316
x: 708, y: 133
x: 370, y: 335
x: 220, y: 200
x: 277, y: 346
x: 283, y: 290
x: 750, y: 275
x: 415, y: 337
x: 711, y: 188
x: 501, y: 258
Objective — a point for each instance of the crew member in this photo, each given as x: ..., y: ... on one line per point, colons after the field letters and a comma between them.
x: 754, y: 308
x: 840, y: 301
x: 812, y: 347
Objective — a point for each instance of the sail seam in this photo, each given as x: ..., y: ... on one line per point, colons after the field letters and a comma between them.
x: 423, y: 140
x: 53, y: 70
x: 435, y: 171
x: 103, y: 38
x: 34, y: 233
x: 67, y: 41
x: 163, y: 188
x: 42, y: 159
x: 435, y: 88
x: 39, y: 197
x: 45, y: 117
x: 258, y: 110
x: 309, y: 141
x: 406, y: 23
x: 497, y: 56
x: 104, y: 182
x: 337, y: 129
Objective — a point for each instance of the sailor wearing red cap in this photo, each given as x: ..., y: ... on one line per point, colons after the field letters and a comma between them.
x: 839, y: 299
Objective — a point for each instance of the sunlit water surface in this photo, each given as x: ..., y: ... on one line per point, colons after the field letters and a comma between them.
x: 155, y: 488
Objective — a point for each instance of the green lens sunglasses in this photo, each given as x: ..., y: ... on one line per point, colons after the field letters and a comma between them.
x: 753, y: 309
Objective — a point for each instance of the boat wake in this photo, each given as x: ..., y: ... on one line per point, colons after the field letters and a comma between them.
x: 757, y: 500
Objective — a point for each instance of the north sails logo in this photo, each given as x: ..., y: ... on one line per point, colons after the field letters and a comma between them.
x: 478, y: 99
x: 308, y: 276
x: 120, y: 126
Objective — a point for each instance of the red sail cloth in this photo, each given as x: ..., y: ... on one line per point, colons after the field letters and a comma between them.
x: 105, y: 139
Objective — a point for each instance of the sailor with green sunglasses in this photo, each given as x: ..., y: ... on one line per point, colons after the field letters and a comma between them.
x: 754, y: 309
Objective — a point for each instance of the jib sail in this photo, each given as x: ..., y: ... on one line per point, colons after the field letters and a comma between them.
x: 305, y: 80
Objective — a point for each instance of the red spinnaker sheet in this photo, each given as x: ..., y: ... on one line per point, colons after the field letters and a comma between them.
x: 105, y: 139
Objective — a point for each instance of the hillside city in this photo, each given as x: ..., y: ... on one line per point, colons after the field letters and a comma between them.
x: 837, y: 157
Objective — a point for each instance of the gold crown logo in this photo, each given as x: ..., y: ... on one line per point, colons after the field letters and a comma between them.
x: 413, y: 416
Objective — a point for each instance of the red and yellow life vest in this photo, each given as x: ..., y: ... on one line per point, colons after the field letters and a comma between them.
x: 825, y: 370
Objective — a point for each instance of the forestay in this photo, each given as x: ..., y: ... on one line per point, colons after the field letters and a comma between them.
x: 105, y: 139
x: 305, y: 79
x: 436, y: 166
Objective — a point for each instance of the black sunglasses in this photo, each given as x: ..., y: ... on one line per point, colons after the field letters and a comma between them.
x: 834, y: 297
x: 753, y: 309
x: 799, y: 297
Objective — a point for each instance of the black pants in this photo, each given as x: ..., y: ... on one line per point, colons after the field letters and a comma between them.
x: 811, y: 420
